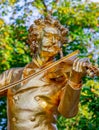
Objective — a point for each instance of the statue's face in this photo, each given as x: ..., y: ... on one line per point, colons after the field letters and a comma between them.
x: 50, y: 42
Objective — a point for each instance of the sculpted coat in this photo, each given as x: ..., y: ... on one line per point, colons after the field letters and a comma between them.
x: 35, y: 104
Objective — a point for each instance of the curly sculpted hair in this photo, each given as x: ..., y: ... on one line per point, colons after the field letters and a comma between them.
x: 35, y: 32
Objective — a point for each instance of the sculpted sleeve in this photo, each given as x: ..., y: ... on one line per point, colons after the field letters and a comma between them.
x: 7, y: 77
x: 68, y: 106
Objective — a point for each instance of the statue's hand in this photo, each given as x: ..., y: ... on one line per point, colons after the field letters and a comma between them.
x: 79, y: 69
x: 98, y: 72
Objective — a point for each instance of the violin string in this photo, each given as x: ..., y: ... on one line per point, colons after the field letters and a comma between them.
x: 73, y: 54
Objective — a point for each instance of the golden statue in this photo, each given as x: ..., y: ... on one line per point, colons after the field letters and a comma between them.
x: 35, y: 103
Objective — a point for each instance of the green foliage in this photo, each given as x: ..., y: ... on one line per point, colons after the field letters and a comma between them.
x: 77, y: 18
x: 80, y: 15
x: 88, y: 115
x: 13, y: 53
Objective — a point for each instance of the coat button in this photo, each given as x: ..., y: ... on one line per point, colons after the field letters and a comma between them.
x: 32, y: 118
x: 37, y: 98
x: 15, y: 98
x: 13, y: 119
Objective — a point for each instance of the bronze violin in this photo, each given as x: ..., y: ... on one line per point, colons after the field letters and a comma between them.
x: 92, y: 70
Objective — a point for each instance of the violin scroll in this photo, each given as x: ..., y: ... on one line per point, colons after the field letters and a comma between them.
x: 92, y: 71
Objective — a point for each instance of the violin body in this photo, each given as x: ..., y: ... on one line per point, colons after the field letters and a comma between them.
x: 66, y: 63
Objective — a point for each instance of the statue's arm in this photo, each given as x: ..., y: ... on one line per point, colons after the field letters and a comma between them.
x: 69, y: 99
x: 7, y: 77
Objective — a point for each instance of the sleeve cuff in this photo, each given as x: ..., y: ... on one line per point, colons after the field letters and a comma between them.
x: 75, y: 86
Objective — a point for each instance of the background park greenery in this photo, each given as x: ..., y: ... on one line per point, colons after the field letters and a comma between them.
x: 82, y: 20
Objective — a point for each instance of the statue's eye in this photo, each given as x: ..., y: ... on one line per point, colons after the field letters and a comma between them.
x: 46, y: 34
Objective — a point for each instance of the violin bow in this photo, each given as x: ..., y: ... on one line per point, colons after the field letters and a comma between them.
x: 71, y: 55
x: 67, y: 58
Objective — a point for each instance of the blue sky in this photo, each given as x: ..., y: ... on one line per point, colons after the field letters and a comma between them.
x: 31, y: 14
x: 11, y: 16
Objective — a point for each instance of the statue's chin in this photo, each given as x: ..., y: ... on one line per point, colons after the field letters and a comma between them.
x: 48, y: 55
x: 51, y: 52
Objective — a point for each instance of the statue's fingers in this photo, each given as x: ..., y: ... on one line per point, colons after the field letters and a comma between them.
x: 86, y: 60
x: 75, y: 64
x: 77, y: 68
x: 81, y: 62
x: 80, y: 65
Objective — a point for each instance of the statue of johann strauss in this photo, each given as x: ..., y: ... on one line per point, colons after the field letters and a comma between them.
x: 35, y: 103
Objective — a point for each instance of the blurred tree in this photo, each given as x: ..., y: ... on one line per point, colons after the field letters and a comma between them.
x: 13, y: 53
x: 82, y: 20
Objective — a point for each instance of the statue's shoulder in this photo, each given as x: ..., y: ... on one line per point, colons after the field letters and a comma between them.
x: 20, y: 70
x: 29, y: 69
x: 16, y: 70
x: 15, y: 73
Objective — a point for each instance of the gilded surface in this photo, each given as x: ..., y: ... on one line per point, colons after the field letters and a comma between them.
x: 35, y: 103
